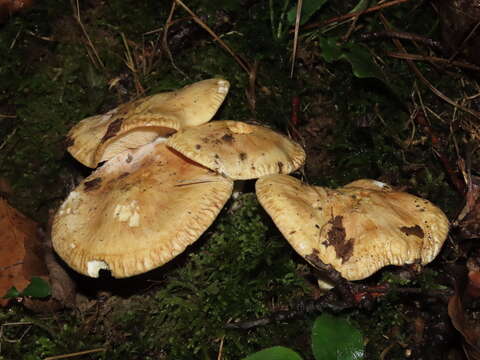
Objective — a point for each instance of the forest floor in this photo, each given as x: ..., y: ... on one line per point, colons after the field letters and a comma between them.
x: 369, y: 97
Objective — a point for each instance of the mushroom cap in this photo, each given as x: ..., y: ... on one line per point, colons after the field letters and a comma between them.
x: 137, y: 212
x: 101, y: 137
x: 238, y: 150
x: 358, y: 228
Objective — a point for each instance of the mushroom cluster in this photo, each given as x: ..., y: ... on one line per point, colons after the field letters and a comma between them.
x: 156, y: 194
x: 168, y: 172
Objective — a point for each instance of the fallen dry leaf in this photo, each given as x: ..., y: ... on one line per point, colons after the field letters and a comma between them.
x: 10, y: 7
x: 468, y: 220
x: 21, y: 255
x: 469, y: 328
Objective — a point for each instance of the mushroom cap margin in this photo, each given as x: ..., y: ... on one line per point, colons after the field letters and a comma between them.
x: 359, y: 228
x: 137, y: 212
x: 239, y: 150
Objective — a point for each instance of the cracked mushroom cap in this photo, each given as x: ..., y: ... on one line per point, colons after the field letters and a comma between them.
x: 131, y: 125
x: 239, y: 150
x: 137, y: 212
x: 358, y: 228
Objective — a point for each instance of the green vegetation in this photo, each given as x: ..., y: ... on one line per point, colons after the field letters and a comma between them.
x: 356, y: 119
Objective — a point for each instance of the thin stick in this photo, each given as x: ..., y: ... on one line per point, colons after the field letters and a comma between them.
x: 245, y: 66
x: 415, y: 57
x: 8, y: 137
x: 65, y: 356
x: 220, y: 350
x: 427, y: 83
x: 402, y: 35
x: 328, y: 302
x: 462, y: 45
x: 168, y: 23
x: 354, y: 14
x: 295, y: 38
x: 77, y: 17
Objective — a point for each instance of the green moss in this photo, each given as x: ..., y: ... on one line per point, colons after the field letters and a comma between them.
x: 234, y: 275
x: 243, y: 267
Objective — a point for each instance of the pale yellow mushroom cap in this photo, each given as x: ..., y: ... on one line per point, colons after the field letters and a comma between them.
x: 137, y: 212
x: 239, y: 150
x: 101, y: 137
x: 358, y: 228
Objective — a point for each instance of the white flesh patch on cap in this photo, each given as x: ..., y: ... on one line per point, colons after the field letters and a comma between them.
x: 94, y: 267
x: 222, y: 87
x: 129, y: 212
x: 379, y: 184
x: 70, y: 204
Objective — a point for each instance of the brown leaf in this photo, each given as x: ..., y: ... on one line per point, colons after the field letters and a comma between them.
x: 5, y: 187
x: 458, y: 18
x: 21, y: 255
x: 473, y: 287
x: 10, y: 7
x: 468, y: 221
x: 469, y: 328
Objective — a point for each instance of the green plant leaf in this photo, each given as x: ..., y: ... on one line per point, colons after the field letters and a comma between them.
x: 12, y: 293
x: 333, y: 338
x: 359, y: 58
x: 362, y: 63
x: 331, y: 51
x: 309, y: 7
x: 275, y: 353
x: 38, y: 288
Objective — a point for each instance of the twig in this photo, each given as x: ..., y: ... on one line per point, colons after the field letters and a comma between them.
x: 78, y: 353
x: 465, y: 41
x: 12, y: 44
x: 166, y: 48
x: 295, y: 38
x: 422, y: 78
x: 402, y: 35
x: 415, y: 57
x: 8, y: 137
x: 220, y: 350
x: 351, y: 28
x: 297, y: 311
x: 245, y: 66
x: 354, y: 14
x: 420, y: 117
x: 331, y: 303
x: 250, y: 91
x: 4, y: 338
x: 77, y: 17
x: 131, y: 64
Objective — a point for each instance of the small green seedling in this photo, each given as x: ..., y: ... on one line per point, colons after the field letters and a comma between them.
x: 333, y: 338
x: 38, y: 288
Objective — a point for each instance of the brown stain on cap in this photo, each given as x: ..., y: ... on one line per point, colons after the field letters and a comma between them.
x: 228, y: 138
x: 413, y: 230
x: 112, y: 130
x: 337, y: 237
x: 93, y: 184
